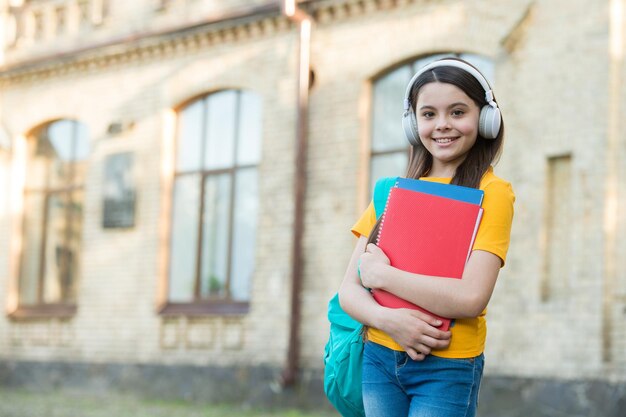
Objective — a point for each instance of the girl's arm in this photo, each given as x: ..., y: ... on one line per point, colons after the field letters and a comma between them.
x: 450, y: 297
x: 447, y: 297
x: 411, y: 329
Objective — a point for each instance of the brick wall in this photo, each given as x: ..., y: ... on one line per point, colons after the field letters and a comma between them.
x: 552, y: 64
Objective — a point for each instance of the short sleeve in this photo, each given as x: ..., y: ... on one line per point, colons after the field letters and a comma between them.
x: 366, y: 222
x: 494, y: 233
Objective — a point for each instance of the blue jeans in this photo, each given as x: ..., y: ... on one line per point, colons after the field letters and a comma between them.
x: 394, y: 385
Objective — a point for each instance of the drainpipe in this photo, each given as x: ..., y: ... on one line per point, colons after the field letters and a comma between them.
x: 617, y: 30
x: 304, y: 23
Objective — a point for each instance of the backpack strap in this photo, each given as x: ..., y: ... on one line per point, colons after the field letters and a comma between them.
x: 381, y: 193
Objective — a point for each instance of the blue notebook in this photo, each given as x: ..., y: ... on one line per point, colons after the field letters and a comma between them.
x: 455, y: 192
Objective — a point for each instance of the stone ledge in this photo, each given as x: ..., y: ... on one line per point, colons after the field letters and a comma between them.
x: 259, y: 385
x: 256, y: 23
x: 252, y: 386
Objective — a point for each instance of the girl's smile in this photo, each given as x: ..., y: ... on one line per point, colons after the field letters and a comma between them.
x: 447, y: 121
x: 443, y: 141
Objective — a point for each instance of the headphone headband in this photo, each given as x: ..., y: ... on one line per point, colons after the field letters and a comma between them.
x: 451, y: 63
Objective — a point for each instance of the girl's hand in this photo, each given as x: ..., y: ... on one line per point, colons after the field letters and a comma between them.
x: 415, y: 332
x: 372, y: 264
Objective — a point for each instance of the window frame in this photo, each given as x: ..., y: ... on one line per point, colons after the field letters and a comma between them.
x: 41, y: 308
x: 207, y: 305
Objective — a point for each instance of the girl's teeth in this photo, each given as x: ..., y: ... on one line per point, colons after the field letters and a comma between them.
x: 443, y: 140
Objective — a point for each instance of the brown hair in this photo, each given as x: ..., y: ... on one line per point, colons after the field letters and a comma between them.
x: 479, y: 158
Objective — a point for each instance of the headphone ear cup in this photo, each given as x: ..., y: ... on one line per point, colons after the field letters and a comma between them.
x: 489, y: 122
x: 409, y: 124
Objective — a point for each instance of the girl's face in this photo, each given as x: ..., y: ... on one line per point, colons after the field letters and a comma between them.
x: 447, y: 123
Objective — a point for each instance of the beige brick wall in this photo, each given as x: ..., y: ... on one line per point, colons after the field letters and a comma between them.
x: 552, y: 64
x: 558, y: 101
x: 116, y: 319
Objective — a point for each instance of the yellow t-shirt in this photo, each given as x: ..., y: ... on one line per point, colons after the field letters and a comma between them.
x: 468, y: 335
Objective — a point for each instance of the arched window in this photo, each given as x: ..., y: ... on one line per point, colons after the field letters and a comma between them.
x: 390, y: 148
x: 216, y: 199
x: 53, y: 216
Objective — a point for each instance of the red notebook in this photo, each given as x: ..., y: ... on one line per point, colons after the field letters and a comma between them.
x: 426, y: 234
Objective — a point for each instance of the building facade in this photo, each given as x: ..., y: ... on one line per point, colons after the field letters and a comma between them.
x: 154, y: 213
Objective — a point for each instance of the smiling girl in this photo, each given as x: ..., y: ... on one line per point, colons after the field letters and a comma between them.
x: 410, y: 367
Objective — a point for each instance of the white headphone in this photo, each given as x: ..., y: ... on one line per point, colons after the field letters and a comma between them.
x: 489, y: 121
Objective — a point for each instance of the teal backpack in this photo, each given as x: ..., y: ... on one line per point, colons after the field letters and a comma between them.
x: 343, y: 354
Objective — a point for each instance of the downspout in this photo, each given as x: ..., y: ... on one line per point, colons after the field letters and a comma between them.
x: 303, y: 22
x: 611, y: 209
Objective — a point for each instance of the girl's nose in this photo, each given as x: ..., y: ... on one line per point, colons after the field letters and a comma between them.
x: 442, y: 123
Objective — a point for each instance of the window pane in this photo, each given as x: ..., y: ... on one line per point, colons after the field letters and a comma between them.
x: 61, y: 137
x: 74, y: 244
x: 215, y: 235
x: 31, y: 248
x: 39, y: 158
x: 57, y: 155
x: 184, y: 238
x: 250, y: 129
x: 387, y: 112
x: 81, y: 153
x: 220, y: 130
x: 56, y: 253
x: 244, y: 234
x: 228, y: 121
x: 189, y: 141
x: 388, y: 165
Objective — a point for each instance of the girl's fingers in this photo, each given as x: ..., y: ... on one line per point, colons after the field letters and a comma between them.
x: 427, y: 318
x: 415, y: 355
x: 430, y: 343
x: 424, y: 349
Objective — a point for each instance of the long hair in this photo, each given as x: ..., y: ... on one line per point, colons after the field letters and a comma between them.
x: 484, y: 152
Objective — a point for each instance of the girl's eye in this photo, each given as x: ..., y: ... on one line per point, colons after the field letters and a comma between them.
x: 428, y: 114
x: 458, y: 112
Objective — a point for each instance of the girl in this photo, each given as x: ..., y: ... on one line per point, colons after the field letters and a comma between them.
x: 410, y: 368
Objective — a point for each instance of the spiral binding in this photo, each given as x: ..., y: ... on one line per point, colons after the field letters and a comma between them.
x: 382, y: 216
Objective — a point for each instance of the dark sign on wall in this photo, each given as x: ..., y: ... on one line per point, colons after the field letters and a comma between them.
x: 119, y: 191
